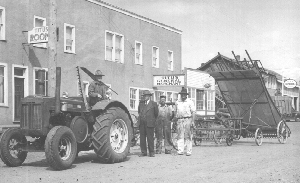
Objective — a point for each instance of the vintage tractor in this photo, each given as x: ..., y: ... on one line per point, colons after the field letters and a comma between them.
x: 63, y: 126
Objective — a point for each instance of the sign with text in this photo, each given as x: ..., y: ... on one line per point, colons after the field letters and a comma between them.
x: 38, y: 35
x: 168, y: 80
x: 290, y: 83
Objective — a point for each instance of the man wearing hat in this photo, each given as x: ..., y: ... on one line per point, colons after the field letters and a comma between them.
x: 163, y: 126
x: 97, y: 90
x: 185, y: 115
x: 148, y: 112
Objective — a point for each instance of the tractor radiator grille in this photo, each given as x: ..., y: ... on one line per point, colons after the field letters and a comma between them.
x: 31, y: 116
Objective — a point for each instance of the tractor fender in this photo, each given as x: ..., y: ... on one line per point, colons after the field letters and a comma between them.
x: 105, y: 104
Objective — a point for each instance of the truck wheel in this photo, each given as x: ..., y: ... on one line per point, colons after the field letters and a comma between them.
x: 112, y: 135
x: 11, y: 142
x: 60, y: 147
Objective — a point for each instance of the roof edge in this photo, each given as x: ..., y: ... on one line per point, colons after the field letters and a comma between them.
x: 134, y: 15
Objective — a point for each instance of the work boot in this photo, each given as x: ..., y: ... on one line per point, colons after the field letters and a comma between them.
x: 152, y: 155
x: 143, y: 155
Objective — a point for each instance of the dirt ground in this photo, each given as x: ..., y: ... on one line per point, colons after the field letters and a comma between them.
x: 241, y: 162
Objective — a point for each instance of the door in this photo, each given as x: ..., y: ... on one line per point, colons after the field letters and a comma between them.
x: 19, y: 94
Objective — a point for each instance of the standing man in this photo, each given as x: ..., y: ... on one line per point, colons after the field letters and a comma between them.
x: 185, y: 115
x: 163, y: 126
x: 148, y: 112
x: 98, y: 90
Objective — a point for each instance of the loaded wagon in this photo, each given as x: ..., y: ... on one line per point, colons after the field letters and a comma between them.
x: 251, y: 110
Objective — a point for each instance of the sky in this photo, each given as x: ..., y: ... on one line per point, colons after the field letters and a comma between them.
x: 269, y: 30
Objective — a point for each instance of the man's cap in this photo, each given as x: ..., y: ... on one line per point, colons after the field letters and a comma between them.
x: 98, y: 73
x: 147, y: 92
x: 183, y: 91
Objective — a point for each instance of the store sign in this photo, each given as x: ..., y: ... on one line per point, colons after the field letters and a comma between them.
x: 290, y: 83
x: 168, y: 80
x: 38, y: 35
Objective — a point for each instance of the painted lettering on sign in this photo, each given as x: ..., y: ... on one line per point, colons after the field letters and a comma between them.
x: 169, y: 80
x: 38, y: 35
x: 290, y: 83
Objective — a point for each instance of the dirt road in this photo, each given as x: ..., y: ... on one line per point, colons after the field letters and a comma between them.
x: 241, y: 162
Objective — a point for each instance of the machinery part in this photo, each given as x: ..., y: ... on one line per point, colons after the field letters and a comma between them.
x: 11, y: 142
x: 197, y: 141
x: 229, y: 140
x: 60, y: 147
x: 218, y: 140
x: 282, y: 132
x: 80, y: 128
x: 258, y: 137
x: 112, y: 135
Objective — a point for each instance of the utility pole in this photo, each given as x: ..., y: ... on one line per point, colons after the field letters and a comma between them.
x: 52, y: 59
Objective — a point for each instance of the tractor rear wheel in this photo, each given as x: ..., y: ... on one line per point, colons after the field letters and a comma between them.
x: 112, y: 135
x: 11, y: 142
x: 60, y: 147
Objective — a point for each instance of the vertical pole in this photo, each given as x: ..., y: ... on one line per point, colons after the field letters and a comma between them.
x: 282, y: 85
x: 52, y: 63
x: 57, y: 90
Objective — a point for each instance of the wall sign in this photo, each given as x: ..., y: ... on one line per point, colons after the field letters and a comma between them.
x: 290, y: 83
x: 168, y: 80
x: 38, y: 35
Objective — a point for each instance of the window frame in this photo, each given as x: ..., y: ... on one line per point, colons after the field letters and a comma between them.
x: 5, y: 89
x: 157, y: 57
x: 113, y: 59
x: 137, y: 100
x: 73, y: 38
x: 40, y: 45
x: 34, y: 78
x: 172, y: 60
x: 2, y: 33
x: 140, y: 61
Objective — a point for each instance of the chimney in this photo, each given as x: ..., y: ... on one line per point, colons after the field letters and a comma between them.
x: 238, y: 58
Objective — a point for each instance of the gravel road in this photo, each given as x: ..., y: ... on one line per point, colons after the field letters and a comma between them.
x: 241, y: 162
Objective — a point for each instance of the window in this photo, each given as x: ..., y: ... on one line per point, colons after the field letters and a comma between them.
x: 40, y: 81
x: 169, y: 97
x: 114, y: 47
x: 155, y: 57
x: 3, y: 84
x: 138, y: 53
x: 2, y: 23
x: 135, y: 96
x: 210, y: 101
x: 39, y: 22
x: 157, y: 95
x: 170, y: 60
x: 200, y: 99
x: 69, y: 38
x: 175, y: 97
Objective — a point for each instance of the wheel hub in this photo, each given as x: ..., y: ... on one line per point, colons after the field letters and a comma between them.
x: 118, y: 136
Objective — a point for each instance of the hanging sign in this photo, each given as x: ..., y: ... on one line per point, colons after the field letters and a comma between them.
x: 168, y: 80
x: 290, y: 83
x: 38, y: 35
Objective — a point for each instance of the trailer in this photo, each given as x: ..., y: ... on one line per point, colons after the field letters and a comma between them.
x: 252, y: 112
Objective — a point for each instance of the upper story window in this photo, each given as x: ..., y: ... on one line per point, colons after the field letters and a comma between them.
x: 3, y: 84
x: 39, y: 22
x: 40, y: 81
x: 114, y: 47
x: 155, y: 57
x: 2, y: 23
x: 170, y: 60
x: 69, y: 38
x: 138, y: 53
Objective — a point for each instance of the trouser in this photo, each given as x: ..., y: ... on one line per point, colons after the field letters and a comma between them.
x: 185, y: 135
x: 146, y: 133
x: 163, y: 129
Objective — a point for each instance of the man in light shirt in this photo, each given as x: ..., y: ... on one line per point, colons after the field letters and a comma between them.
x: 185, y: 115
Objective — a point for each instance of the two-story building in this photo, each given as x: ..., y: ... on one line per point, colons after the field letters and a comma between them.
x: 128, y: 48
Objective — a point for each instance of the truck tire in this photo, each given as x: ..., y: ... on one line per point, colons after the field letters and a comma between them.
x: 60, y: 147
x: 10, y: 142
x: 112, y: 135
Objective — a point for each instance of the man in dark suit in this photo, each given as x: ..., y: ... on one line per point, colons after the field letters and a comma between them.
x: 148, y: 112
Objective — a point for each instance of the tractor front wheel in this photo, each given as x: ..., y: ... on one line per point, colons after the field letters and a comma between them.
x: 11, y: 142
x: 60, y: 147
x: 112, y: 135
